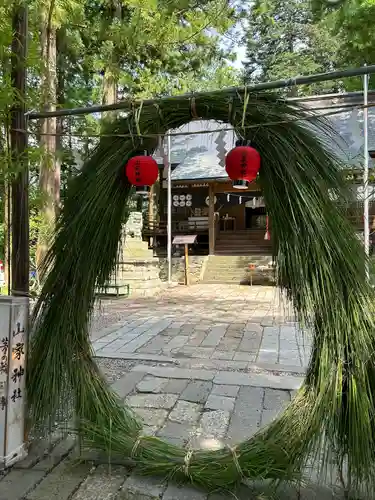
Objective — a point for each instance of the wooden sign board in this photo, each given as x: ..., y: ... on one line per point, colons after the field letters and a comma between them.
x: 187, y: 239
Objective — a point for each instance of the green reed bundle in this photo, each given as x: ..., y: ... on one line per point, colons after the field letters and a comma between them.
x: 320, y: 265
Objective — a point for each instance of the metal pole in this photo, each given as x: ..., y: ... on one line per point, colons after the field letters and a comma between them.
x: 129, y: 104
x: 365, y: 174
x: 169, y: 220
x: 357, y: 95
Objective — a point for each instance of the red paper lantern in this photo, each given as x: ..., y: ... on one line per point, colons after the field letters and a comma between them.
x: 242, y: 165
x: 142, y: 172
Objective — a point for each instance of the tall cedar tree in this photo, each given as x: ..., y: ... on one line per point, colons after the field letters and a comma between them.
x: 283, y: 41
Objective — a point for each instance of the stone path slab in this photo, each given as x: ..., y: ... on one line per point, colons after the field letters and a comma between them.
x: 240, y: 324
x: 103, y: 483
x: 200, y: 410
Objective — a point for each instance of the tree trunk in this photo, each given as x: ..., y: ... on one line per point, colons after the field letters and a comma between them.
x: 6, y: 181
x: 49, y: 177
x: 110, y: 84
x: 292, y: 91
x: 5, y: 190
x: 109, y: 89
x: 60, y: 93
x: 7, y: 221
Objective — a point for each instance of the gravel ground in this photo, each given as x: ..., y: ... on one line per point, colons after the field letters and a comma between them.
x: 114, y: 369
x: 107, y: 312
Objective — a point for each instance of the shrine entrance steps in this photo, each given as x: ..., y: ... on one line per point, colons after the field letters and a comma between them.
x: 246, y: 242
x: 239, y: 270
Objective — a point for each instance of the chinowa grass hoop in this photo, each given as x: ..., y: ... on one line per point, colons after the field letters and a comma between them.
x: 320, y: 265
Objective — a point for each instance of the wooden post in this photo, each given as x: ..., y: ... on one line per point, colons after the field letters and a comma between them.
x: 151, y: 221
x: 211, y: 219
x: 252, y: 268
x: 186, y: 264
x: 18, y: 139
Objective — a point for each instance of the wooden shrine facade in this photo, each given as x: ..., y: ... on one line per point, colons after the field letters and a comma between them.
x: 211, y: 208
x: 206, y: 208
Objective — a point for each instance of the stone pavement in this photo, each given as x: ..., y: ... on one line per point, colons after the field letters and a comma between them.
x: 210, y: 326
x: 203, y: 366
x: 199, y: 409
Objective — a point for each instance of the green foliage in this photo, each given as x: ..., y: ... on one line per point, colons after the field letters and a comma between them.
x: 320, y: 265
x: 149, y: 47
x: 352, y: 26
x: 355, y: 28
x: 283, y: 41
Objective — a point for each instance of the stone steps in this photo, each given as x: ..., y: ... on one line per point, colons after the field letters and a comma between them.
x: 235, y: 251
x: 242, y: 250
x: 239, y: 266
x: 235, y: 269
x: 246, y: 242
x: 239, y: 259
x: 244, y: 233
x: 232, y: 274
x: 224, y: 281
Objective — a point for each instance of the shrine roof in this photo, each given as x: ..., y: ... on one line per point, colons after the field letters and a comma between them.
x: 198, y: 156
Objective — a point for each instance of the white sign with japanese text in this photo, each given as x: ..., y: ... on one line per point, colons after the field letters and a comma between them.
x: 14, y: 315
